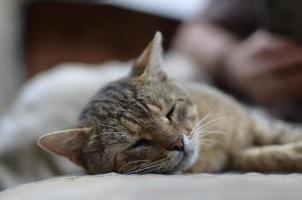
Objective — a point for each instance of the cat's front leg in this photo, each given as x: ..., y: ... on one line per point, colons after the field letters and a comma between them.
x: 268, y: 131
x: 272, y: 158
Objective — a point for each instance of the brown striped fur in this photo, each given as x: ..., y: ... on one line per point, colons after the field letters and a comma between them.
x: 146, y: 123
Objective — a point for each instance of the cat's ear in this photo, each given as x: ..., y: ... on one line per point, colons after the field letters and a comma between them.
x: 67, y: 143
x: 148, y: 64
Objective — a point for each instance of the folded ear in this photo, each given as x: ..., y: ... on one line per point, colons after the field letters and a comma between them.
x: 67, y: 143
x: 148, y: 64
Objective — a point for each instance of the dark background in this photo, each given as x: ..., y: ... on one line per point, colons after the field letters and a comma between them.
x: 92, y: 33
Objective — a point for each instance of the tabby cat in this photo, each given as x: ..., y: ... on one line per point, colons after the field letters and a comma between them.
x: 147, y: 123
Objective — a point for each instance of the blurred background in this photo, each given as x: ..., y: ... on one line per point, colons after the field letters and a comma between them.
x: 250, y: 49
x: 36, y: 35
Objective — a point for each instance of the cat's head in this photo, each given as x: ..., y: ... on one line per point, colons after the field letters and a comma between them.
x: 140, y: 124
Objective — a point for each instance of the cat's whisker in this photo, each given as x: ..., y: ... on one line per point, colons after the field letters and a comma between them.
x: 129, y: 163
x: 211, y: 141
x: 211, y: 123
x: 198, y: 124
x: 203, y: 119
x: 209, y: 114
x: 140, y: 168
x: 152, y: 168
x: 220, y: 119
x: 133, y: 169
x: 212, y: 132
x: 204, y: 129
x: 205, y: 132
x: 157, y: 162
x: 149, y: 169
x: 207, y: 128
x: 201, y: 137
x: 163, y: 164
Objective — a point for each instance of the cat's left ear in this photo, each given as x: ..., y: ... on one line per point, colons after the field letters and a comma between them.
x: 67, y: 143
x: 149, y: 63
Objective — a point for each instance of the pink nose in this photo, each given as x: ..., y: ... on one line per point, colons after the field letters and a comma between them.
x: 178, y: 145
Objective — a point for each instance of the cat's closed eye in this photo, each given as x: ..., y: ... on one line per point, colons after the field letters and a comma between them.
x: 170, y: 113
x: 140, y: 143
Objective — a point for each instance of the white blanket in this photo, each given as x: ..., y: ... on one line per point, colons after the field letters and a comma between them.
x: 163, y: 187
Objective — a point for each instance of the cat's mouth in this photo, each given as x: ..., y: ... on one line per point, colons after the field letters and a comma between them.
x: 186, y: 160
x: 181, y: 161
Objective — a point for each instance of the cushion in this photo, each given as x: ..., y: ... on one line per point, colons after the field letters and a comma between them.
x: 250, y: 186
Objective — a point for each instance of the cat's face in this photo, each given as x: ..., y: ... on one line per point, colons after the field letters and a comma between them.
x: 139, y: 124
x: 138, y: 127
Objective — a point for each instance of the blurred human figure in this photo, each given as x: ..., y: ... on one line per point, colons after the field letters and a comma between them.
x: 251, y: 51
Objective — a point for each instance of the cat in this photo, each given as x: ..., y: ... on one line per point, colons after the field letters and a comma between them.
x: 147, y: 123
x: 52, y: 100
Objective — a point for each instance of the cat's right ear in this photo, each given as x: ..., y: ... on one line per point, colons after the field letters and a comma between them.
x: 67, y: 143
x: 148, y: 64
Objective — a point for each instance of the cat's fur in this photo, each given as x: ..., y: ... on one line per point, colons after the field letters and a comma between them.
x: 147, y: 123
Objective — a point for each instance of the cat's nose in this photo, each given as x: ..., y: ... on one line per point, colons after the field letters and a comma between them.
x: 178, y: 145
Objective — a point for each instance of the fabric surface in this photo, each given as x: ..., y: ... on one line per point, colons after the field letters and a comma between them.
x: 149, y: 187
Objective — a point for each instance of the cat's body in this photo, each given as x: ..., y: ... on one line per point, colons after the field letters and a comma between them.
x: 147, y: 123
x: 243, y: 139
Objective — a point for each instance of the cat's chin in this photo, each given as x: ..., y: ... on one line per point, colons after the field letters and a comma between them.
x: 189, y: 158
